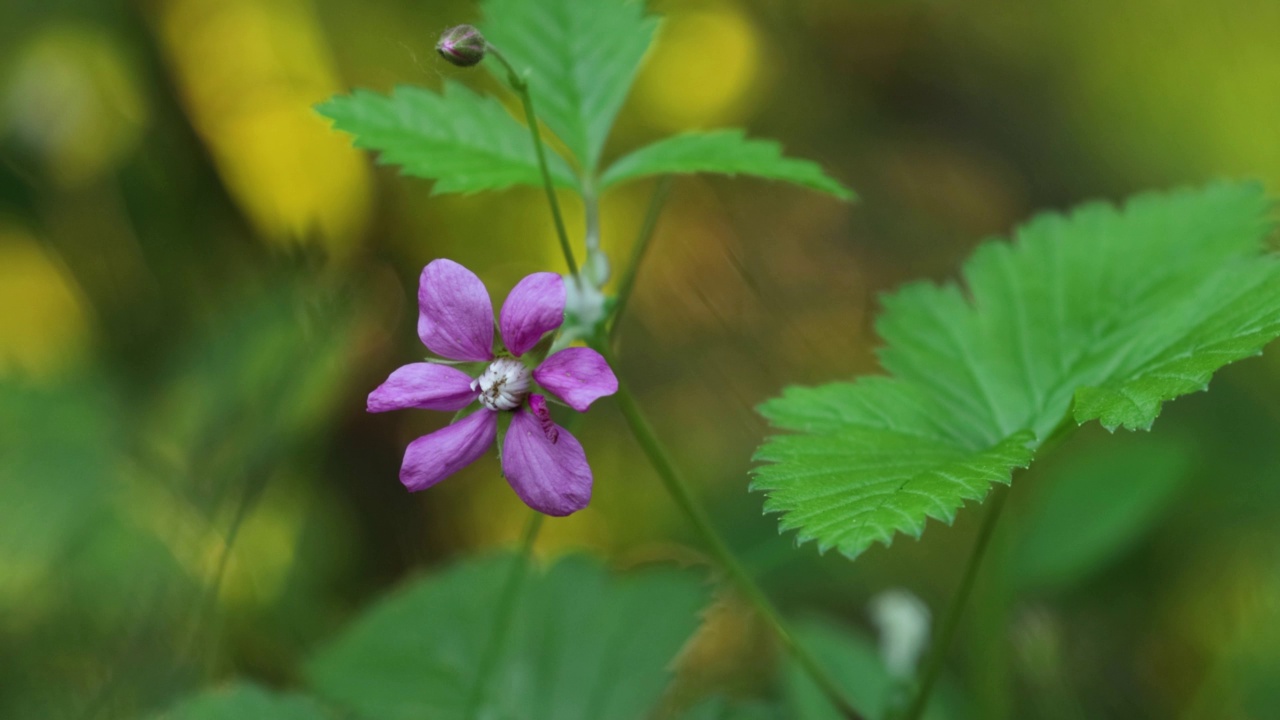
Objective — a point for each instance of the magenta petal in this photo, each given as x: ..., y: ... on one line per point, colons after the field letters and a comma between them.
x: 534, y: 308
x: 550, y: 477
x: 455, y: 317
x: 578, y: 376
x: 423, y: 385
x: 432, y: 458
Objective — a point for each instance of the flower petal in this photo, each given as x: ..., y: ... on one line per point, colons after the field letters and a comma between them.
x: 432, y: 458
x: 578, y: 376
x: 550, y: 477
x: 534, y: 308
x: 423, y: 385
x: 455, y: 317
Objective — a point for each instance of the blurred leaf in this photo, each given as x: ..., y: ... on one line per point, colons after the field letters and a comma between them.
x: 463, y: 141
x: 857, y: 668
x: 721, y: 709
x: 245, y: 701
x: 1119, y: 309
x: 57, y: 455
x: 584, y: 644
x: 82, y: 589
x: 580, y: 58
x: 1095, y: 506
x: 257, y: 382
x: 727, y: 152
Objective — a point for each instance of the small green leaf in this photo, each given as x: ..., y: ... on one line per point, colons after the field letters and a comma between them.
x: 584, y: 644
x: 727, y: 152
x: 579, y: 57
x: 463, y: 141
x: 245, y: 701
x: 1116, y: 310
x: 1094, y: 506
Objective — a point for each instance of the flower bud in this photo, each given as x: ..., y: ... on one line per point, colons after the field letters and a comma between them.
x: 463, y: 46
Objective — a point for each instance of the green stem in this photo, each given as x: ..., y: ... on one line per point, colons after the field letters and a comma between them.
x: 694, y: 511
x: 521, y: 87
x: 660, y: 194
x: 505, y: 615
x: 596, y: 265
x: 942, y: 641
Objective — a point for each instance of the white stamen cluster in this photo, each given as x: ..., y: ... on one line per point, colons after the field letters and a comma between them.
x: 504, y: 384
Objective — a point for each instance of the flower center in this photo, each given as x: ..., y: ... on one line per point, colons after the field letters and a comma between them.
x: 504, y: 384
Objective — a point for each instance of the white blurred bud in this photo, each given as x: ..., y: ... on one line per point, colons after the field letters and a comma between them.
x: 585, y: 310
x: 904, y: 624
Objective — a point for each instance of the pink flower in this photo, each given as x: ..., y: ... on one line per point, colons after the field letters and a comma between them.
x: 544, y: 464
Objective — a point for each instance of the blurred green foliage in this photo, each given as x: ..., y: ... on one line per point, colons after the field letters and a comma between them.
x: 581, y: 645
x: 245, y: 701
x: 199, y: 283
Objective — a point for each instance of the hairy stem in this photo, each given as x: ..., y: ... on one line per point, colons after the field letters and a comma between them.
x: 521, y: 88
x: 506, y: 613
x: 693, y: 510
x: 660, y: 194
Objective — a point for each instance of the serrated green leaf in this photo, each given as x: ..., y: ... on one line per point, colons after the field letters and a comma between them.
x: 245, y: 701
x: 463, y: 141
x: 584, y: 644
x: 727, y: 152
x: 579, y: 57
x: 1119, y: 310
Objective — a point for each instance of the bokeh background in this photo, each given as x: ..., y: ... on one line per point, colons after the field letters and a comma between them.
x: 200, y: 282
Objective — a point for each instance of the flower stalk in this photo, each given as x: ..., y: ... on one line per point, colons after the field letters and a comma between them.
x: 697, y: 515
x: 521, y: 88
x: 639, y: 426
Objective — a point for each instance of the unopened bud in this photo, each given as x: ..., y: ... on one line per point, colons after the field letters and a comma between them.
x: 463, y: 46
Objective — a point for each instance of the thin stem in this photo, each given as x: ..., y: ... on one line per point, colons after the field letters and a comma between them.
x: 521, y: 88
x: 694, y: 511
x: 506, y: 613
x: 942, y: 641
x: 938, y: 650
x: 659, y: 200
x: 591, y: 209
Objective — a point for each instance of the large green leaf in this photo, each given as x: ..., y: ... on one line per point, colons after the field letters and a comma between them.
x: 244, y: 701
x: 584, y: 645
x: 727, y: 152
x: 579, y: 57
x: 463, y: 141
x: 1119, y: 310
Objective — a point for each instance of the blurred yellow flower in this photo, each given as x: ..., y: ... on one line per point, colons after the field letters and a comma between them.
x: 704, y: 69
x: 44, y: 328
x: 249, y: 72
